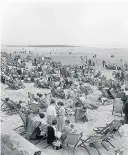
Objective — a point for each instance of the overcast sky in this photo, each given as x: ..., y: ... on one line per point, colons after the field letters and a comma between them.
x: 79, y: 23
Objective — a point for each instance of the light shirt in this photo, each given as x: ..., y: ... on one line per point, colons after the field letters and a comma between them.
x: 83, y: 99
x: 42, y: 58
x: 47, y: 100
x: 62, y: 112
x: 51, y: 110
x: 19, y: 60
x: 69, y: 102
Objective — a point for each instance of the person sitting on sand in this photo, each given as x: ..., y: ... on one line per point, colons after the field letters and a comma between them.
x: 80, y: 112
x: 42, y: 115
x: 36, y: 135
x: 9, y: 103
x: 66, y: 128
x: 52, y: 133
x: 73, y: 128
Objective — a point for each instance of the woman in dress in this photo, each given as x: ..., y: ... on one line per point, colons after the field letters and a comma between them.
x: 61, y: 116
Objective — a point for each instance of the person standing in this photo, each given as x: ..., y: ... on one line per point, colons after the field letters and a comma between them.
x: 61, y: 116
x: 125, y: 110
x: 103, y: 63
x: 51, y: 112
x: 47, y: 99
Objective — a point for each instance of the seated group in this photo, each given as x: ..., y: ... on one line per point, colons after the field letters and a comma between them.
x: 52, y: 133
x: 57, y: 125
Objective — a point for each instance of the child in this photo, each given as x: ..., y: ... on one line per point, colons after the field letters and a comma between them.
x: 72, y: 128
x: 66, y: 128
x: 86, y: 112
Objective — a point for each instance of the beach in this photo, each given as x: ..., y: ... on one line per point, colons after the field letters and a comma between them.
x: 62, y: 53
x: 98, y: 117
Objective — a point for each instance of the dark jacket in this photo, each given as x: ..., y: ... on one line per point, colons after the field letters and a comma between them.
x: 125, y: 110
x: 51, y: 135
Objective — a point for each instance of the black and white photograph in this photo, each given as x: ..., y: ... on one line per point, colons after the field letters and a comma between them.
x: 64, y: 77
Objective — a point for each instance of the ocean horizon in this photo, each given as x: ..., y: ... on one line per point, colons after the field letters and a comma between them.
x: 69, y: 54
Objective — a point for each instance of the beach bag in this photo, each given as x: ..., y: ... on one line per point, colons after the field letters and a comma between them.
x: 57, y: 145
x: 38, y: 153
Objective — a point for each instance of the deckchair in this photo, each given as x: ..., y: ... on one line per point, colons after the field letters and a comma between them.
x: 89, y: 89
x: 113, y: 94
x: 113, y: 127
x: 41, y: 84
x: 73, y: 138
x: 91, y: 141
x: 101, y: 130
x: 9, y: 106
x: 12, y: 86
x: 106, y: 138
x: 24, y: 118
x: 104, y: 92
x: 110, y: 94
x: 34, y: 107
x: 117, y: 106
x: 27, y: 79
x: 126, y: 84
x: 80, y: 114
x: 55, y: 93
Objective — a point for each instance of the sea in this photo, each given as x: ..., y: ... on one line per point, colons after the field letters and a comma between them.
x: 72, y: 54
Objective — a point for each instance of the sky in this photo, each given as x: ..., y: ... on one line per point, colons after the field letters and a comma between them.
x: 96, y: 24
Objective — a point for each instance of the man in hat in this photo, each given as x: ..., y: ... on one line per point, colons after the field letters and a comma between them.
x: 51, y: 112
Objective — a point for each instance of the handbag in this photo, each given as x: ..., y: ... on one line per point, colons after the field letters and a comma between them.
x: 57, y: 145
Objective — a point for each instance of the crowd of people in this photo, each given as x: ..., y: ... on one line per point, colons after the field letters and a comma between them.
x: 67, y: 91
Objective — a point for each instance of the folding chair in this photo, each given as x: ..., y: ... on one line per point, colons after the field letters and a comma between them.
x: 34, y: 106
x: 12, y: 86
x: 105, y: 93
x: 117, y: 106
x: 115, y: 125
x: 91, y: 141
x: 9, y: 106
x: 80, y: 114
x: 73, y: 138
x: 106, y: 138
x: 24, y: 118
x: 113, y: 94
x: 101, y: 130
x: 89, y: 89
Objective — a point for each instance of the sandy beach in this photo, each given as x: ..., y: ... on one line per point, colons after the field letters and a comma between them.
x: 64, y: 77
x: 97, y: 118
